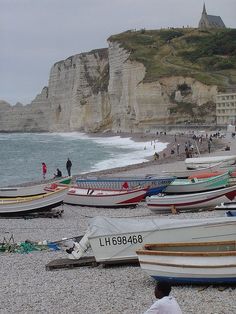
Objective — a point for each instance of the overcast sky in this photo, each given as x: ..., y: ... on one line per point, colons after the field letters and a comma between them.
x: 34, y: 34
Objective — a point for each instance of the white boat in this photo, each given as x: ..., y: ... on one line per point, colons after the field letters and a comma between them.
x: 104, y: 198
x: 191, y: 173
x: 163, y: 203
x: 207, y: 262
x: 179, y: 186
x: 42, y: 202
x: 25, y: 191
x: 117, y: 239
x: 200, y: 162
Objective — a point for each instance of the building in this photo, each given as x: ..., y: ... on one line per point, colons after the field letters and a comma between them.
x: 210, y: 21
x: 226, y: 109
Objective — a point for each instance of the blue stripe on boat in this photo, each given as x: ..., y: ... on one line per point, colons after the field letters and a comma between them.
x: 191, y: 280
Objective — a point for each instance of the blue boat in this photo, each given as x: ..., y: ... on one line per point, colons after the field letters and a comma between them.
x: 154, y: 184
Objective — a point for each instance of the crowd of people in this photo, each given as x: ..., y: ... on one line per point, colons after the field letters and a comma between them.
x: 58, y: 173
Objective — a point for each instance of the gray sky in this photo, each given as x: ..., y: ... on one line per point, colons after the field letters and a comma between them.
x: 34, y: 34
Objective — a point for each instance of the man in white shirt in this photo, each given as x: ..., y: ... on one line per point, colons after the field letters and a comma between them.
x: 165, y: 304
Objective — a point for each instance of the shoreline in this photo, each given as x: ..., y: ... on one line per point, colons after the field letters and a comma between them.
x: 165, y: 155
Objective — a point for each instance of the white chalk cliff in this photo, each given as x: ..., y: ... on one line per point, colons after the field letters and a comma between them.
x: 104, y: 89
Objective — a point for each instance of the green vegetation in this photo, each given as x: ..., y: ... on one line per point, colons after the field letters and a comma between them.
x: 222, y: 43
x: 207, y: 55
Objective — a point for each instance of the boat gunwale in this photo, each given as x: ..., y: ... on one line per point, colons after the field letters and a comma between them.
x: 26, y: 199
x: 149, y: 248
x: 195, y: 194
x: 130, y: 179
x: 187, y: 265
x: 181, y: 253
x: 222, y: 177
x: 125, y: 192
x: 175, y: 244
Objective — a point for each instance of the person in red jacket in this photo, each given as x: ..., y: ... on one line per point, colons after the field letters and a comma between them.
x: 44, y: 169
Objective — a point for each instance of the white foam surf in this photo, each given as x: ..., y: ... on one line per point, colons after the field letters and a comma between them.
x: 137, y: 151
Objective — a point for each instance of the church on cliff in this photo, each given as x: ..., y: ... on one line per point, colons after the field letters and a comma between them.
x: 210, y: 21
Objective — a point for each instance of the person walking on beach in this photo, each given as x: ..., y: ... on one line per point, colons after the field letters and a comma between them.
x: 178, y: 148
x: 68, y: 166
x: 209, y: 146
x: 44, y: 169
x: 165, y: 304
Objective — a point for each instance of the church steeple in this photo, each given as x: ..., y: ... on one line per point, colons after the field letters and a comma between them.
x: 210, y: 21
x: 204, y: 9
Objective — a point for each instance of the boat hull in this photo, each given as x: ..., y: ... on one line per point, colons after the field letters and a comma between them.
x: 191, y: 201
x: 25, y: 191
x: 104, y: 198
x: 184, y: 266
x: 193, y: 186
x: 29, y: 204
x: 153, y: 184
x: 114, y: 240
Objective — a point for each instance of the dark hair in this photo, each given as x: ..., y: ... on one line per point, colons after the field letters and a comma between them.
x: 164, y: 287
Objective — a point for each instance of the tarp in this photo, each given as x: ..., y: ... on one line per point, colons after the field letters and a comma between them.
x: 103, y: 226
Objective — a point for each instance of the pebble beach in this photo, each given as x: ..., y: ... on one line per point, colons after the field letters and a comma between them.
x: 26, y: 286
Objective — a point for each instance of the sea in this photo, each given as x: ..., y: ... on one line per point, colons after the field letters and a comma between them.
x: 22, y: 154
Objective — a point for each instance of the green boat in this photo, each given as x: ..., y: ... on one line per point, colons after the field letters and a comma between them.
x: 182, y: 186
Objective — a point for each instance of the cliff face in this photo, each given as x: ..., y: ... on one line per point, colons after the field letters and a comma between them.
x: 136, y: 104
x: 76, y: 99
x: 34, y: 117
x: 104, y: 89
x: 78, y: 92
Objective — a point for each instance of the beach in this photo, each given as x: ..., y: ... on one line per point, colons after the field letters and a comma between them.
x: 26, y: 287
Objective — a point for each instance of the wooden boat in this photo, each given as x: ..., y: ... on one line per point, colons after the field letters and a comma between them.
x: 162, y: 203
x: 25, y: 191
x: 104, y: 198
x: 193, y: 173
x: 47, y: 201
x: 206, y: 262
x: 154, y: 184
x: 200, y: 162
x: 194, y: 185
x: 117, y: 239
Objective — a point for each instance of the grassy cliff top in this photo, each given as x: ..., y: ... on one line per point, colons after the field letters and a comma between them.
x: 206, y: 55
